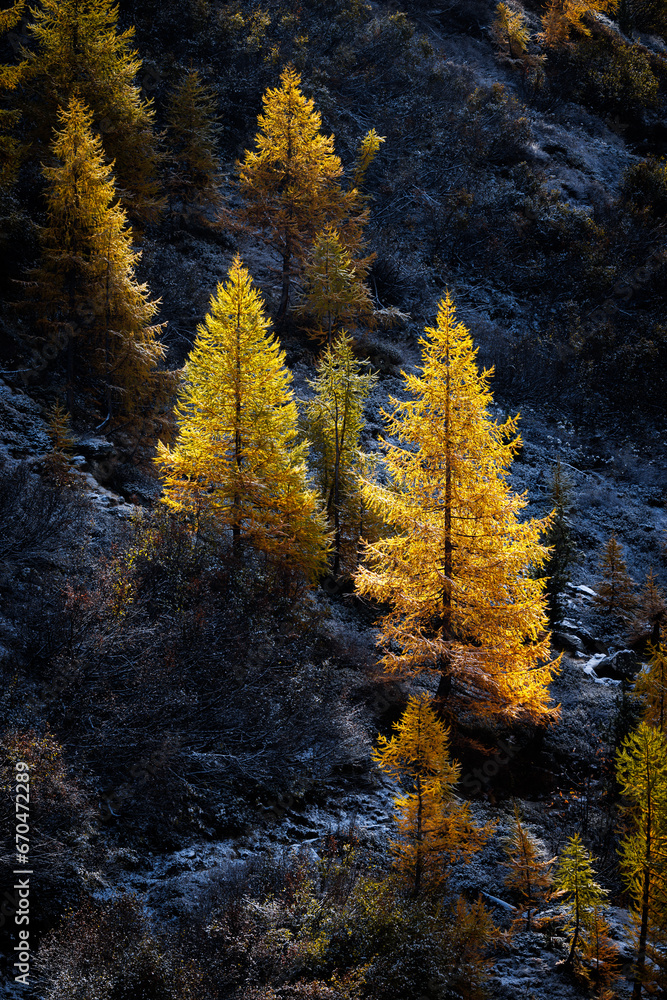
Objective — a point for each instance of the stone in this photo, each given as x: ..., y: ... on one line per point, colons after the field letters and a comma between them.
x: 591, y: 643
x: 567, y: 642
x: 95, y: 448
x: 622, y: 665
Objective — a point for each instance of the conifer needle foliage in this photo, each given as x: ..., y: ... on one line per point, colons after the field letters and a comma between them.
x: 236, y: 458
x: 87, y: 299
x: 9, y: 79
x: 576, y: 882
x: 529, y: 874
x: 456, y: 569
x: 651, y: 686
x: 641, y: 771
x: 77, y: 51
x: 334, y: 293
x: 564, y: 17
x: 193, y: 174
x: 616, y: 592
x: 435, y: 828
x: 291, y: 181
x: 334, y: 419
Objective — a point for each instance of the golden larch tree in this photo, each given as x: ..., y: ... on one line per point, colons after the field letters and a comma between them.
x: 600, y: 967
x: 193, y: 170
x: 529, y: 875
x: 88, y: 302
x: 236, y: 458
x: 369, y: 147
x: 334, y: 420
x: 575, y: 881
x: 511, y: 31
x: 641, y: 772
x: 78, y: 51
x: 651, y: 610
x: 435, y: 828
x: 458, y: 567
x: 291, y: 181
x: 651, y: 686
x: 616, y: 592
x: 334, y: 293
x: 10, y: 76
x: 563, y: 17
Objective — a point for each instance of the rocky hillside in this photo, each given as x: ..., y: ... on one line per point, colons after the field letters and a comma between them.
x: 207, y: 803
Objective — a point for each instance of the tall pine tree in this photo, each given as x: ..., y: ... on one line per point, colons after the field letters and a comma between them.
x: 193, y: 170
x: 616, y: 590
x: 88, y: 303
x: 456, y: 568
x: 435, y: 828
x: 651, y: 686
x: 9, y: 79
x: 334, y: 419
x: 77, y: 51
x: 651, y: 610
x: 576, y: 882
x: 529, y: 874
x: 641, y: 771
x: 236, y: 457
x: 334, y: 294
x: 291, y: 181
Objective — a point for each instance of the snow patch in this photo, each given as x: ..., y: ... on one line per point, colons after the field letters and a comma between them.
x: 589, y: 669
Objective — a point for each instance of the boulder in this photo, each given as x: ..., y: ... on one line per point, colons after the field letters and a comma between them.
x: 622, y: 665
x: 591, y: 643
x: 567, y: 642
x: 95, y: 449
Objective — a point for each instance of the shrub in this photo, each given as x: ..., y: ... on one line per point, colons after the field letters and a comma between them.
x: 494, y: 127
x: 616, y: 78
x: 644, y: 188
x: 36, y: 513
x: 109, y: 951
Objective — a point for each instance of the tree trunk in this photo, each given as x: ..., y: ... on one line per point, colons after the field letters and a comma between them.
x: 643, y: 930
x: 445, y: 685
x: 236, y: 523
x: 286, y: 277
x: 569, y: 961
x: 70, y: 377
x: 419, y: 858
x: 643, y: 934
x: 336, y: 495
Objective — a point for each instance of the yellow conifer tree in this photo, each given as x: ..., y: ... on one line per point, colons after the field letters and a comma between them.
x: 529, y: 874
x: 87, y: 299
x: 193, y: 171
x: 584, y: 897
x: 616, y: 590
x: 236, y: 458
x: 563, y: 17
x: 641, y: 771
x: 651, y: 686
x: 78, y: 51
x: 369, y: 147
x: 435, y: 828
x: 291, y: 182
x: 651, y: 610
x: 456, y: 568
x: 511, y: 31
x: 334, y: 293
x: 9, y: 79
x: 601, y: 967
x: 334, y: 419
